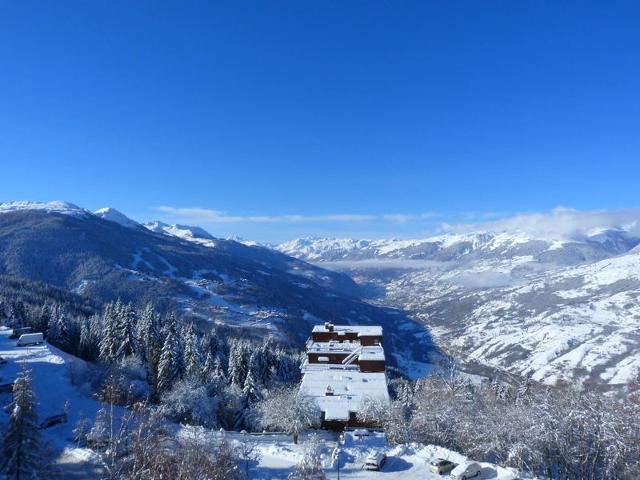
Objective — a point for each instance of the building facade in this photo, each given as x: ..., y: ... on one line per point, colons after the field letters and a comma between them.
x: 344, y: 368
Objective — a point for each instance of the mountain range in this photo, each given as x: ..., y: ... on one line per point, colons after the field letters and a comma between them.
x: 553, y: 308
x: 104, y: 256
x: 556, y: 308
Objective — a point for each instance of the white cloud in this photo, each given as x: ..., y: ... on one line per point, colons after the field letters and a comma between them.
x: 218, y: 216
x: 404, y: 218
x: 561, y: 223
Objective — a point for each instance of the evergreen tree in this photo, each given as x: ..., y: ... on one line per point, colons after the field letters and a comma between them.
x: 125, y: 330
x: 192, y: 357
x: 22, y: 457
x: 58, y: 330
x: 147, y: 332
x: 108, y: 342
x: 237, y: 369
x: 168, y: 365
x: 86, y: 347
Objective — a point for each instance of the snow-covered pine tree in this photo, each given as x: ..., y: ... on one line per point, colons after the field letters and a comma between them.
x: 237, y: 370
x: 147, y: 332
x: 108, y: 341
x: 21, y: 452
x: 258, y: 367
x: 85, y: 347
x: 98, y: 436
x: 208, y: 367
x: 125, y: 330
x: 192, y: 356
x: 250, y: 396
x: 58, y: 332
x: 169, y: 362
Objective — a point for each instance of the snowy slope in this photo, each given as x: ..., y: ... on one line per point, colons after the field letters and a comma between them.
x: 574, y: 323
x: 185, y: 232
x: 52, y: 384
x: 555, y: 308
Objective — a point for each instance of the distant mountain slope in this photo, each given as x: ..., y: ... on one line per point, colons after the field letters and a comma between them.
x: 572, y: 323
x: 186, y: 232
x: 465, y: 247
x: 555, y: 308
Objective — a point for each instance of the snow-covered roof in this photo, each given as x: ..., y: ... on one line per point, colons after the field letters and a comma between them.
x: 361, y: 330
x: 375, y: 352
x: 349, y: 387
x: 371, y: 353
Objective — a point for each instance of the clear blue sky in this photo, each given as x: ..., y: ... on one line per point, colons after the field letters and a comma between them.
x: 339, y: 112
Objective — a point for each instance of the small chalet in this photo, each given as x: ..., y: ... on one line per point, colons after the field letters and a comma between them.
x: 344, y: 365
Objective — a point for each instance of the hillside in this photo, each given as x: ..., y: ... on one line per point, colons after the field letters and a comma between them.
x: 553, y: 308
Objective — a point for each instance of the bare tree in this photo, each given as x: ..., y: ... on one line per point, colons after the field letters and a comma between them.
x: 290, y: 411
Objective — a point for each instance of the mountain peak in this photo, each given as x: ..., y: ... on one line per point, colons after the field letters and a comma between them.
x: 186, y: 232
x: 116, y: 216
x: 55, y: 207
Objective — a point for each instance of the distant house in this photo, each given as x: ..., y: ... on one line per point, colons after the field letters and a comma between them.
x: 344, y: 366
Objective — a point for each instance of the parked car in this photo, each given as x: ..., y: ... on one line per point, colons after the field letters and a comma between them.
x: 441, y: 466
x: 53, y: 420
x: 466, y: 470
x: 375, y: 461
x: 30, y: 339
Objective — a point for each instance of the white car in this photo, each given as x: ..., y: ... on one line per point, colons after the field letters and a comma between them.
x: 375, y: 461
x: 27, y: 339
x: 466, y: 470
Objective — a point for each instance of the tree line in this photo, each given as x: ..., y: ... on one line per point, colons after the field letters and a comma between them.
x: 552, y: 432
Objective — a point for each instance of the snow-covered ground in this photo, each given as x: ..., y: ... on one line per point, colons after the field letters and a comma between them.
x: 51, y: 374
x: 279, y: 456
x: 50, y: 371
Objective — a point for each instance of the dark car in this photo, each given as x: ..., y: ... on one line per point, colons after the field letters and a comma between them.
x: 441, y: 466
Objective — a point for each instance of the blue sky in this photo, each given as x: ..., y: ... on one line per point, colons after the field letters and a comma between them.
x: 272, y: 120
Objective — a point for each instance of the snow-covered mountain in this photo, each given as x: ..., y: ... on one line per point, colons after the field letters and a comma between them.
x: 466, y: 247
x: 554, y: 308
x: 185, y: 232
x: 104, y: 256
x: 114, y: 215
x: 57, y: 206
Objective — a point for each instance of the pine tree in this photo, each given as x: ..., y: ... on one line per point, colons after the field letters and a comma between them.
x: 86, y: 347
x: 124, y: 330
x: 237, y: 364
x: 98, y: 436
x: 147, y: 332
x: 168, y: 365
x: 108, y: 342
x: 192, y: 357
x: 58, y: 331
x: 22, y: 457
